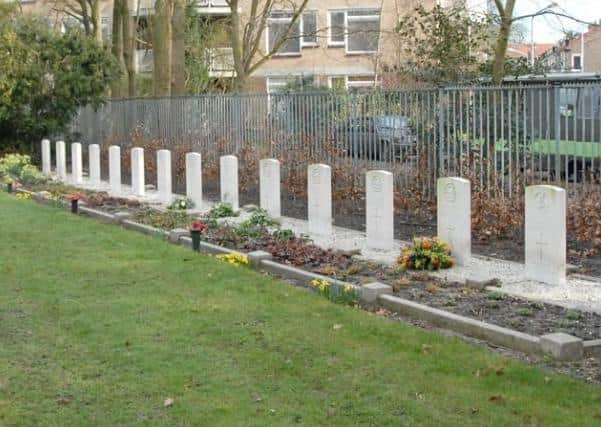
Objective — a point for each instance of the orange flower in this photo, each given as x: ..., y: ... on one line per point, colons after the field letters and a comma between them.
x: 427, y: 244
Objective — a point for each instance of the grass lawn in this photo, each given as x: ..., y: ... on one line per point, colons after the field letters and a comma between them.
x: 99, y: 325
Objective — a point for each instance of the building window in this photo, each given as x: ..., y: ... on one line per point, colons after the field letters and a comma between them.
x: 278, y: 24
x: 294, y: 83
x: 336, y: 24
x: 353, y: 83
x: 309, y: 28
x: 358, y: 30
x: 576, y: 62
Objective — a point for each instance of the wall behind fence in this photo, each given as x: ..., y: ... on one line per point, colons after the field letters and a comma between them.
x: 500, y: 137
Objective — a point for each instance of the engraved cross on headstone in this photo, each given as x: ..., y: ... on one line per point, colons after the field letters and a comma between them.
x: 377, y: 218
x: 541, y: 244
x: 450, y: 230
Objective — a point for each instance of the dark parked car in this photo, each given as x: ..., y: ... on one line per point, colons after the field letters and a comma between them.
x: 378, y: 138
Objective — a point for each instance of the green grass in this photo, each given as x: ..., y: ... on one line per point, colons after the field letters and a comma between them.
x: 98, y: 326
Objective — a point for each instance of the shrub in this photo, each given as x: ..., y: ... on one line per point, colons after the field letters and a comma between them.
x: 18, y: 167
x: 426, y: 254
x: 181, y: 204
x: 222, y: 210
x: 257, y: 225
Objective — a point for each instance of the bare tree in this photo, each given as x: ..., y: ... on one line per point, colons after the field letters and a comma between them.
x: 248, y: 31
x: 506, y: 19
x: 86, y: 12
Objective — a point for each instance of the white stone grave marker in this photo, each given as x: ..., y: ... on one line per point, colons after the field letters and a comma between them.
x: 94, y: 164
x: 545, y: 234
x: 138, y: 182
x: 46, y: 160
x: 115, y: 170
x: 76, y: 163
x: 164, y: 176
x: 228, y: 172
x: 270, y: 187
x: 379, y: 210
x: 319, y: 195
x: 454, y: 216
x: 194, y: 178
x: 61, y: 161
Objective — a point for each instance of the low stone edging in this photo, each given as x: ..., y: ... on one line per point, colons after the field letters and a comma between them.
x: 373, y: 293
x: 470, y: 327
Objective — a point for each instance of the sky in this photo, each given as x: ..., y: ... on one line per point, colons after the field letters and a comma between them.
x: 549, y: 28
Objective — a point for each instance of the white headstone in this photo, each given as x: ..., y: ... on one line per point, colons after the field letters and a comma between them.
x: 137, y: 171
x: 115, y: 169
x: 76, y: 163
x: 194, y: 178
x: 228, y: 172
x: 46, y: 165
x: 94, y: 164
x: 319, y: 195
x: 164, y: 176
x: 270, y: 187
x: 379, y: 210
x: 545, y: 234
x: 454, y: 217
x: 61, y: 161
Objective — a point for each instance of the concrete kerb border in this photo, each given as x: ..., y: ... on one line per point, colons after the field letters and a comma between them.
x: 474, y: 328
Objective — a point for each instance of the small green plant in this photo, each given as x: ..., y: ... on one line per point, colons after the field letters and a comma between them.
x: 426, y: 254
x: 222, y: 210
x: 181, y: 204
x: 450, y: 302
x: 495, y: 296
x: 493, y: 304
x: 283, y: 235
x: 345, y: 295
x: 257, y: 225
x: 564, y: 323
x: 525, y: 312
x: 573, y: 315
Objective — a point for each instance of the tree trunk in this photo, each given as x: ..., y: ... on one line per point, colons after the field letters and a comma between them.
x: 237, y: 49
x: 128, y: 50
x: 178, y: 52
x: 506, y: 15
x: 162, y: 45
x: 95, y: 18
x: 117, y: 47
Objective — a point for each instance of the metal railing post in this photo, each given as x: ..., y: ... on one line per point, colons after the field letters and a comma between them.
x: 557, y: 130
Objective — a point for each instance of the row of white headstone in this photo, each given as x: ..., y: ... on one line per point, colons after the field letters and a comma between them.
x: 545, y: 225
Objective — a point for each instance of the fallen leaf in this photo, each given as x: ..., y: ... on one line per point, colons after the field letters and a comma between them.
x: 496, y: 399
x: 337, y: 327
x: 63, y: 401
x: 256, y: 397
x: 168, y: 402
x: 500, y: 372
x: 426, y: 348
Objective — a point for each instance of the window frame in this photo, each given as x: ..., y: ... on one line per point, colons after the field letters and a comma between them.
x: 365, y: 18
x: 574, y: 56
x: 356, y: 84
x: 375, y: 15
x: 332, y: 43
x: 288, y: 20
x: 302, y: 29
